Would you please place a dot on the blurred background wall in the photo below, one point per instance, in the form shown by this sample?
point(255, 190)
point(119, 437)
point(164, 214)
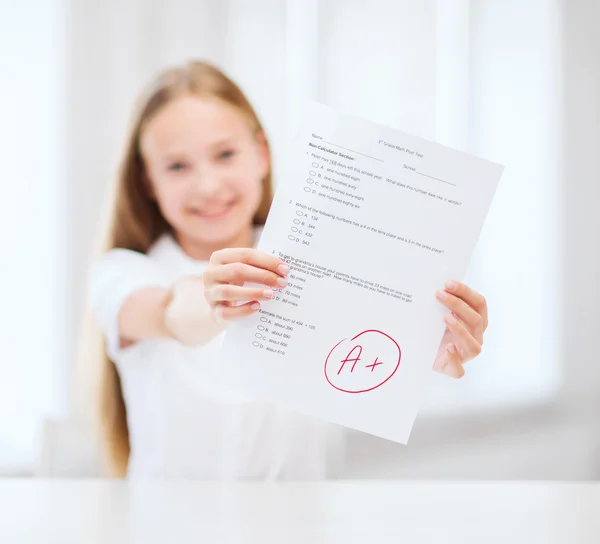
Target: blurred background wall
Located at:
point(515, 82)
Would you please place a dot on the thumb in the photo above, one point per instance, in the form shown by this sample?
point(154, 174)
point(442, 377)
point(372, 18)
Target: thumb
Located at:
point(449, 363)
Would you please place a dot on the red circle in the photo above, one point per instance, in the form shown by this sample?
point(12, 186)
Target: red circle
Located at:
point(351, 340)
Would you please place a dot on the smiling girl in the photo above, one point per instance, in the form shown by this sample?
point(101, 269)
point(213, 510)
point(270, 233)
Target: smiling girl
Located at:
point(193, 193)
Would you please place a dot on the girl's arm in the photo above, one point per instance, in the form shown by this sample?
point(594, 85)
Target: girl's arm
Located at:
point(142, 315)
point(180, 313)
point(133, 300)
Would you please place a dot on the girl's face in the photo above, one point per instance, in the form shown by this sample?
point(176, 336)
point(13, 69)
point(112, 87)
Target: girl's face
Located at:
point(205, 168)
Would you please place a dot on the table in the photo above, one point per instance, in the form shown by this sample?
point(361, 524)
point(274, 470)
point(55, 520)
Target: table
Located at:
point(96, 511)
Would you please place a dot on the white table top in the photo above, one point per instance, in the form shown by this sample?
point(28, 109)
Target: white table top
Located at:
point(345, 512)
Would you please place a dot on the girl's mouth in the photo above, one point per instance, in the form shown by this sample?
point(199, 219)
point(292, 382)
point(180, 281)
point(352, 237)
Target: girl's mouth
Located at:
point(213, 214)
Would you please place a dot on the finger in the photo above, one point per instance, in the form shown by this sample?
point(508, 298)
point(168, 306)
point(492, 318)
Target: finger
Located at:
point(252, 257)
point(472, 319)
point(234, 293)
point(450, 364)
point(224, 312)
point(468, 347)
point(472, 298)
point(240, 273)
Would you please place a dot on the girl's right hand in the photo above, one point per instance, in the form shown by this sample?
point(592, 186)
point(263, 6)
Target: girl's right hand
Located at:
point(230, 269)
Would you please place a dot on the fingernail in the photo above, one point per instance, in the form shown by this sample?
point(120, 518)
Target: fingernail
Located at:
point(219, 312)
point(451, 348)
point(255, 306)
point(450, 319)
point(268, 293)
point(283, 269)
point(442, 295)
point(282, 282)
point(451, 285)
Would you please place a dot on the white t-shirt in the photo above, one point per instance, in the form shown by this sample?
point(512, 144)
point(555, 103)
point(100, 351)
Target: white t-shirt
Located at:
point(183, 420)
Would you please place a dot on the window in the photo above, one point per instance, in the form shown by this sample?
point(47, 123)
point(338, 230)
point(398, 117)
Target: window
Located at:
point(32, 368)
point(510, 55)
point(481, 77)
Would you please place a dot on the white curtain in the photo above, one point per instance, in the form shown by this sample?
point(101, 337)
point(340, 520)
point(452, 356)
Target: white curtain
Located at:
point(514, 117)
point(474, 75)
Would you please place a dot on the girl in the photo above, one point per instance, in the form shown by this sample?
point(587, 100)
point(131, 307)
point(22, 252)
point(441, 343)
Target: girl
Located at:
point(191, 197)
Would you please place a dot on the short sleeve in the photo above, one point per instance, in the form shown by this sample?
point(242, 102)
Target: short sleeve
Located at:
point(113, 278)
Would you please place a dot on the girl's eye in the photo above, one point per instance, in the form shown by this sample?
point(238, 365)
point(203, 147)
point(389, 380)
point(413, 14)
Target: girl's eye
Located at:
point(224, 155)
point(177, 166)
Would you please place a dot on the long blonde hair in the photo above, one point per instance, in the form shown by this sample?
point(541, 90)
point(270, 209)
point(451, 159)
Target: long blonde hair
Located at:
point(135, 222)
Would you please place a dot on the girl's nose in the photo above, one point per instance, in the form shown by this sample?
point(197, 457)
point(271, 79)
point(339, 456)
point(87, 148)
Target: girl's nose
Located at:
point(207, 182)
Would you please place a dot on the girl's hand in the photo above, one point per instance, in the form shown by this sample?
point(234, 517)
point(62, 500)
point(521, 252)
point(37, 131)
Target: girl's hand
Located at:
point(465, 324)
point(230, 269)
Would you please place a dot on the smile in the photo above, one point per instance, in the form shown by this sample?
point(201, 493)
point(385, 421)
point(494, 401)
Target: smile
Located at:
point(212, 215)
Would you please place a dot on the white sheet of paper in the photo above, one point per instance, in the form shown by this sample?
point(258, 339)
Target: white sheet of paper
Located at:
point(372, 222)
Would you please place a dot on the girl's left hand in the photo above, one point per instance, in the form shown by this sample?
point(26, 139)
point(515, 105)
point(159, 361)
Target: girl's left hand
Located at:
point(465, 325)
